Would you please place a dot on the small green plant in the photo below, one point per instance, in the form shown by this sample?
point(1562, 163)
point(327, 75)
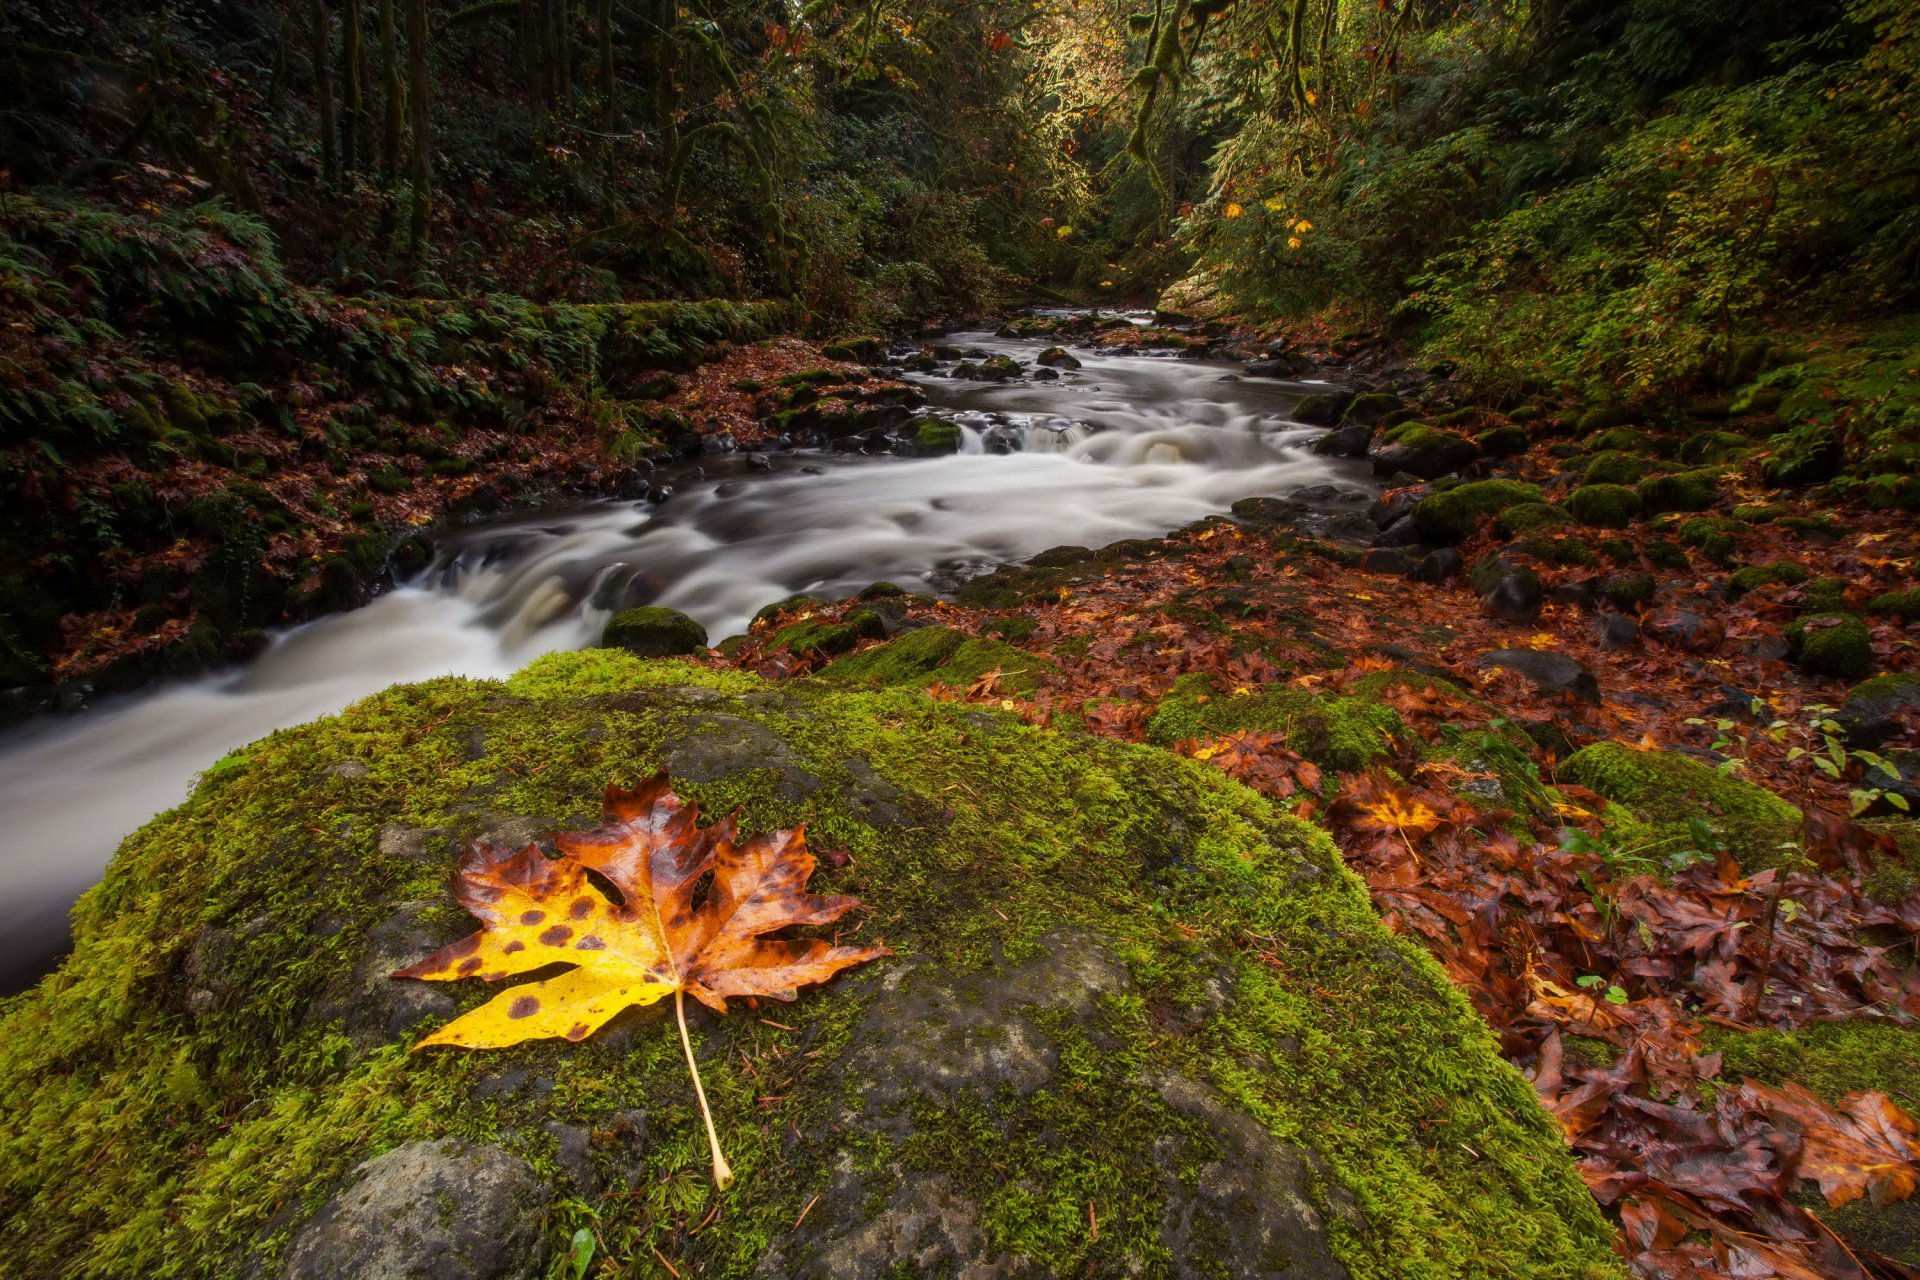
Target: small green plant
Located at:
point(1734, 741)
point(1823, 744)
point(1661, 858)
point(1593, 983)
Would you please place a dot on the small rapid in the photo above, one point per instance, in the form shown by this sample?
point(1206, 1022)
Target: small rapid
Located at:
point(1128, 445)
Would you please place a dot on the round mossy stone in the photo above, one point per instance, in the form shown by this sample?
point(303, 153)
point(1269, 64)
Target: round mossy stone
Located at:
point(1832, 644)
point(1604, 506)
point(1039, 1040)
point(1681, 491)
point(1452, 515)
point(653, 632)
point(1530, 517)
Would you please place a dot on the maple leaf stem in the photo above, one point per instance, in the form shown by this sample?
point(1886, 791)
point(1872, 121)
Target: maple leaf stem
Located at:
point(722, 1171)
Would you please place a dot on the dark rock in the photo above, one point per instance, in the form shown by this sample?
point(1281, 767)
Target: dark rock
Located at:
point(1428, 455)
point(933, 1034)
point(1549, 672)
point(1246, 1213)
point(1388, 511)
point(1681, 629)
point(1441, 566)
point(1515, 599)
point(371, 1007)
point(1616, 631)
point(445, 1210)
point(1345, 442)
point(1386, 560)
point(1401, 533)
point(1058, 358)
point(1266, 512)
point(1322, 410)
point(1872, 712)
point(717, 746)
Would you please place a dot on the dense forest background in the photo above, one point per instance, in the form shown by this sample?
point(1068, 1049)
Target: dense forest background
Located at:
point(275, 268)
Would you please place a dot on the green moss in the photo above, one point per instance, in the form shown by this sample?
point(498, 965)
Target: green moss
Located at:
point(1832, 644)
point(178, 1107)
point(1665, 790)
point(1453, 515)
point(927, 654)
point(1759, 512)
point(1832, 1059)
point(653, 632)
point(1681, 491)
point(1530, 517)
point(1824, 594)
point(1502, 442)
point(1012, 630)
point(1604, 506)
point(816, 638)
point(1624, 440)
point(935, 435)
point(1779, 572)
point(1612, 467)
point(1903, 605)
point(1338, 733)
point(1629, 590)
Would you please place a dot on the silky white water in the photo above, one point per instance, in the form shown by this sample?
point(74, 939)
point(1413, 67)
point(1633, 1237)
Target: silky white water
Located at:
point(1128, 446)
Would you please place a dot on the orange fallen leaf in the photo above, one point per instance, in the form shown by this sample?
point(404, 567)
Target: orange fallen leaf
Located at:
point(660, 939)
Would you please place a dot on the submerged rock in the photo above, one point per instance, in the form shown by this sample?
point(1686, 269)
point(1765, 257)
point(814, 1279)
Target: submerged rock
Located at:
point(1041, 1053)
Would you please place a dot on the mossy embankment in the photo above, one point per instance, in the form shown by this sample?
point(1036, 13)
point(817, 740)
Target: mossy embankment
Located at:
point(195, 447)
point(1147, 971)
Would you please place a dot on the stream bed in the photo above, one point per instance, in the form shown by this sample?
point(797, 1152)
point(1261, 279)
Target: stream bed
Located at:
point(1129, 445)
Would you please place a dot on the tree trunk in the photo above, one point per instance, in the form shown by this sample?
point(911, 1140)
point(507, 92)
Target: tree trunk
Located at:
point(395, 99)
point(606, 66)
point(417, 97)
point(323, 87)
point(533, 59)
point(353, 137)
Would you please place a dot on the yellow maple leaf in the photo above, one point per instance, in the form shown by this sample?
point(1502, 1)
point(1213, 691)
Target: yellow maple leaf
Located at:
point(657, 941)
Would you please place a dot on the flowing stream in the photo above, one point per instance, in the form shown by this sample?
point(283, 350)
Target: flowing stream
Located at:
point(1127, 446)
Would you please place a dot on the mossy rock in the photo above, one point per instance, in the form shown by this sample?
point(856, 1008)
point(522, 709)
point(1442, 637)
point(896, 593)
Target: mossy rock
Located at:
point(858, 349)
point(1615, 467)
point(1832, 644)
point(1623, 440)
point(1711, 536)
point(927, 654)
point(1805, 455)
point(193, 1087)
point(1824, 594)
point(1453, 515)
point(1604, 506)
point(1503, 441)
point(934, 436)
point(816, 638)
point(1629, 590)
point(1530, 517)
point(653, 632)
point(1681, 491)
point(1604, 417)
point(1337, 733)
point(792, 604)
point(1904, 605)
point(1714, 447)
point(1779, 572)
point(1665, 790)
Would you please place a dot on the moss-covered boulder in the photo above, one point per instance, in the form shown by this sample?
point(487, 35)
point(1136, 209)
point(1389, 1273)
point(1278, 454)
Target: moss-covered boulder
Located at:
point(653, 632)
point(1775, 573)
point(1530, 517)
point(932, 436)
point(1452, 516)
point(1681, 491)
point(1338, 733)
point(927, 654)
point(819, 638)
point(1831, 644)
point(1665, 791)
point(1611, 466)
point(219, 1073)
point(1904, 605)
point(1604, 506)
